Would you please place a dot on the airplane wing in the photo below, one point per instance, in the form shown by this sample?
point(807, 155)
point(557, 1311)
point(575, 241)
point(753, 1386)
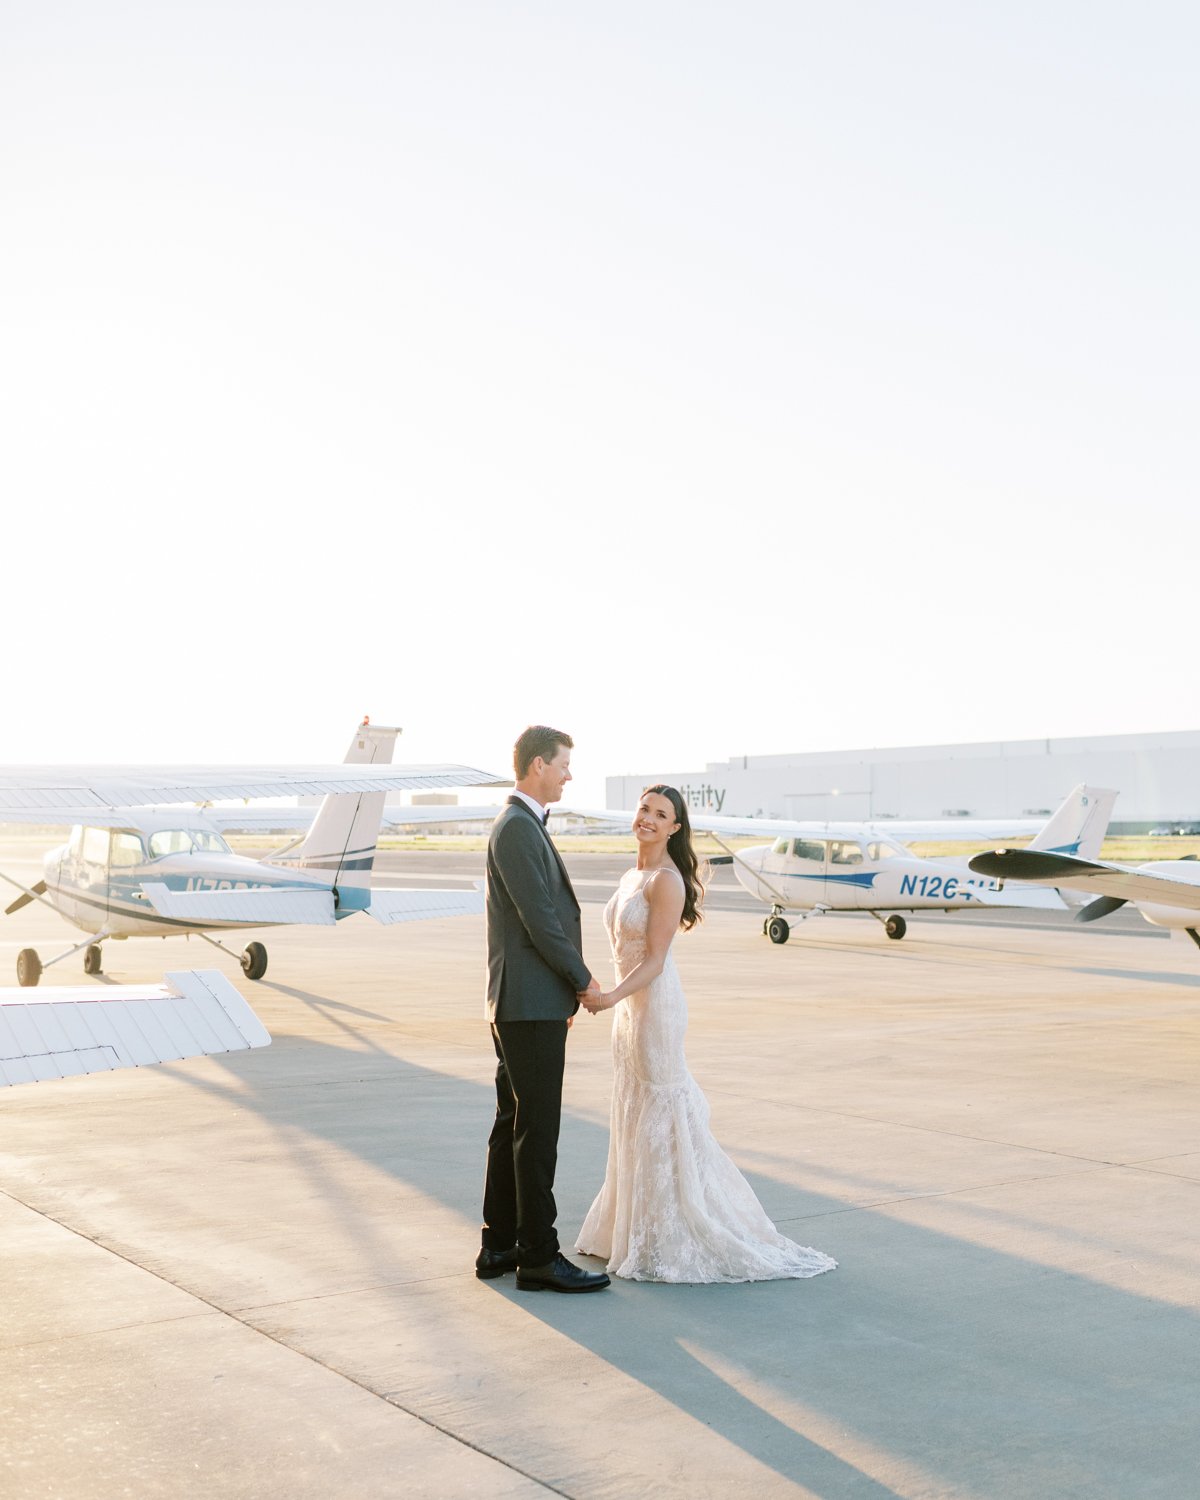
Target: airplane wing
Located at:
point(59, 1033)
point(264, 907)
point(966, 830)
point(258, 819)
point(299, 819)
point(389, 907)
point(413, 817)
point(58, 787)
point(1120, 881)
point(64, 817)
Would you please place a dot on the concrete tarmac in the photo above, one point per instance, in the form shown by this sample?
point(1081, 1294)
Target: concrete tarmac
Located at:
point(251, 1276)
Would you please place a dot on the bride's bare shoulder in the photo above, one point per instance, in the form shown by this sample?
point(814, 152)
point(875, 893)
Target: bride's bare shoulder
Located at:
point(665, 884)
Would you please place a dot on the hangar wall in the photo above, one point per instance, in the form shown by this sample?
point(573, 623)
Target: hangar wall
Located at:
point(1157, 776)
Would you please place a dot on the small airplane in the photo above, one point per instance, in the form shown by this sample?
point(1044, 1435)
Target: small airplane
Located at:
point(815, 868)
point(1165, 891)
point(63, 1032)
point(167, 871)
point(848, 869)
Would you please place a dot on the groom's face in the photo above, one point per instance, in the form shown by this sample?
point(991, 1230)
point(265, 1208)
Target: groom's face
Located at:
point(555, 775)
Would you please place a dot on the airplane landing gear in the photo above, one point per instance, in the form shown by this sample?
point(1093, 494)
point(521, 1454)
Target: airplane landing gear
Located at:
point(254, 961)
point(91, 959)
point(29, 968)
point(778, 930)
point(253, 958)
point(895, 927)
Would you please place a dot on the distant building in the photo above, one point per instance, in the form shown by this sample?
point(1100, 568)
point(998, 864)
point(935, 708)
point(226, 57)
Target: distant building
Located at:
point(1157, 776)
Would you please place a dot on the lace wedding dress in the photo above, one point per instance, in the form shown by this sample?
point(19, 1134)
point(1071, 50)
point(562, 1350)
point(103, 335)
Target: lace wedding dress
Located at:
point(673, 1206)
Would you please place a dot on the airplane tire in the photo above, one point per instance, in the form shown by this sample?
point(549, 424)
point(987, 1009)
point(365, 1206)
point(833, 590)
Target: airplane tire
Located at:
point(254, 961)
point(778, 930)
point(29, 968)
point(765, 922)
point(91, 959)
point(895, 927)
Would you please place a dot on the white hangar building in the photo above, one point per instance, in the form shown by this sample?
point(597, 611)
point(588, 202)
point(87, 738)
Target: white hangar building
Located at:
point(1157, 776)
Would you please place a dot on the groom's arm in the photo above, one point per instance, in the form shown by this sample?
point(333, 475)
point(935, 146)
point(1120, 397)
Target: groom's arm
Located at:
point(517, 853)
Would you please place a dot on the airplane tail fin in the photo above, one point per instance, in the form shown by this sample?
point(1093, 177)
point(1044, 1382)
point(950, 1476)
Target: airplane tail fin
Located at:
point(342, 840)
point(1079, 825)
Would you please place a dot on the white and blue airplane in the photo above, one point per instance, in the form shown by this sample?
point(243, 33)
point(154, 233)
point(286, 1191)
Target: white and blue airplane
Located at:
point(135, 871)
point(844, 868)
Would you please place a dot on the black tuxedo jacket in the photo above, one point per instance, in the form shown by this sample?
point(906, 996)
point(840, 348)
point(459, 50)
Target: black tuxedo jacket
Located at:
point(534, 938)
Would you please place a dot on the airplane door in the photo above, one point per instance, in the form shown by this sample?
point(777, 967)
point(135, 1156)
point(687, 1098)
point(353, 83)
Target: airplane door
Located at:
point(806, 872)
point(89, 877)
point(847, 880)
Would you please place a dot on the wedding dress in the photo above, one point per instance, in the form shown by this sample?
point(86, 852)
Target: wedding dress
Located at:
point(673, 1206)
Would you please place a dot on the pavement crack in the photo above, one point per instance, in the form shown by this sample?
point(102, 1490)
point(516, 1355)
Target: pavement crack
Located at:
point(281, 1343)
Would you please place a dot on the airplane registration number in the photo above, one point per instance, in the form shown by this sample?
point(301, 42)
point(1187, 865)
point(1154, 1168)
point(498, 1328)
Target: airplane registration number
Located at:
point(199, 883)
point(947, 887)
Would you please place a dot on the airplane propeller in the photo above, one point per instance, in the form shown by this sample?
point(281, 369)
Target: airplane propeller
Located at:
point(26, 897)
point(1102, 906)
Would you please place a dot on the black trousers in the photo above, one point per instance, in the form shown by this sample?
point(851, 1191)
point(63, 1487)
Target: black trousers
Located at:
point(518, 1191)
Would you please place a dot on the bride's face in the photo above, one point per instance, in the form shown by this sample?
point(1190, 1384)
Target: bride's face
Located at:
point(654, 822)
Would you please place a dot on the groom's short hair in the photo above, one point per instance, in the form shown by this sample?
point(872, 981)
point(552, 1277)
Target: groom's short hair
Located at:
point(537, 740)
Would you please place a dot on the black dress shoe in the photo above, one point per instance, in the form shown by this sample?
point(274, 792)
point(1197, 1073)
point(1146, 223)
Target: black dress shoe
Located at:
point(492, 1263)
point(560, 1276)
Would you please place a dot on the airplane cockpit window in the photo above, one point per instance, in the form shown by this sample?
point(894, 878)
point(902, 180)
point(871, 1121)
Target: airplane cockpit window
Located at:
point(780, 846)
point(884, 851)
point(170, 841)
point(126, 848)
point(210, 843)
point(185, 841)
point(842, 853)
point(808, 849)
point(75, 842)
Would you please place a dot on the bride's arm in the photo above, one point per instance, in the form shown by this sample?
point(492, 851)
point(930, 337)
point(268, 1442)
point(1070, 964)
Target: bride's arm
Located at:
point(665, 899)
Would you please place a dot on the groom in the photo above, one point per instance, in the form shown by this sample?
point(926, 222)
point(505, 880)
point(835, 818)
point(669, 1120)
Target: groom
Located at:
point(535, 975)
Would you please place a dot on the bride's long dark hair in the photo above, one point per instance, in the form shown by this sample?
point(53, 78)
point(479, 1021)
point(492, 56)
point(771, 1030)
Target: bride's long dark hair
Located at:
point(679, 847)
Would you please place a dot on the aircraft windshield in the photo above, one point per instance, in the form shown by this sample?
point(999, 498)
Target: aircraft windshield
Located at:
point(186, 841)
point(886, 851)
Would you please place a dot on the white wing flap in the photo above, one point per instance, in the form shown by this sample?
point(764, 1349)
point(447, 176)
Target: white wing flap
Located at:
point(57, 1033)
point(389, 907)
point(77, 787)
point(254, 908)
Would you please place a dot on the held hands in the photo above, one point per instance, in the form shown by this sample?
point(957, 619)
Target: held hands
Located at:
point(592, 999)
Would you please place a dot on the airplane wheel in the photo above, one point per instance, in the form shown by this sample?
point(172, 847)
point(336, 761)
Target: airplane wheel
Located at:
point(91, 959)
point(895, 927)
point(765, 921)
point(254, 961)
point(778, 930)
point(29, 967)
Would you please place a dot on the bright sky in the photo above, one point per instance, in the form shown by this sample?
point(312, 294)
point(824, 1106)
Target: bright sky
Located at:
point(701, 379)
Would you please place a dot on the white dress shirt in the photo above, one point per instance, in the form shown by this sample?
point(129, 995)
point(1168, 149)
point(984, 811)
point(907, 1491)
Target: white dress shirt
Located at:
point(535, 807)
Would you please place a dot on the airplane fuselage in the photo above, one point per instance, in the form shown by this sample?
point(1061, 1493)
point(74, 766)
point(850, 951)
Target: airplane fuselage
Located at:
point(95, 893)
point(871, 875)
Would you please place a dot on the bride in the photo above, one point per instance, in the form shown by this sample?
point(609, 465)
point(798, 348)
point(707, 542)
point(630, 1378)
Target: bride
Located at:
point(673, 1206)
